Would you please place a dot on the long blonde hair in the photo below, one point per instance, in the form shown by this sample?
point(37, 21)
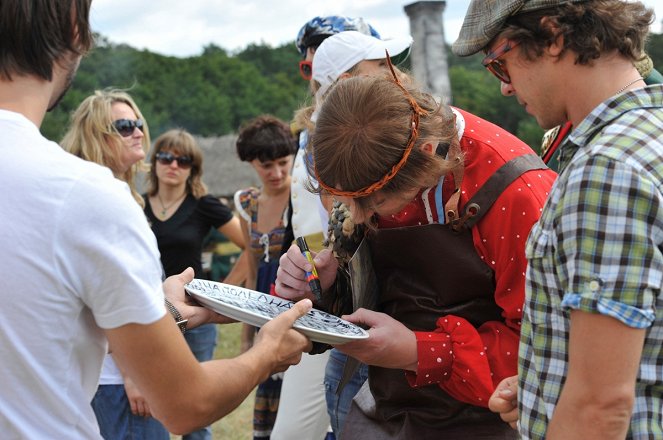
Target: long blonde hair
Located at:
point(91, 136)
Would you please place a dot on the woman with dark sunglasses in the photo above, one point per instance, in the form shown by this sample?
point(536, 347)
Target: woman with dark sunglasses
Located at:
point(181, 214)
point(108, 128)
point(447, 200)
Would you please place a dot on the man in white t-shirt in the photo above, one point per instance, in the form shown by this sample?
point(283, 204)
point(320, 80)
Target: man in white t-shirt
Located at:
point(80, 267)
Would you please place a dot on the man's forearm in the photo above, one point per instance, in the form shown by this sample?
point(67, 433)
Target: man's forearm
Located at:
point(582, 419)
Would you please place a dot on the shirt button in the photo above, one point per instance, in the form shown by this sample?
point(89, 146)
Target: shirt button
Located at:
point(294, 196)
point(594, 285)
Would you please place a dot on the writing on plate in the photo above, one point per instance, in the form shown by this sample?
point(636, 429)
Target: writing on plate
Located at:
point(270, 306)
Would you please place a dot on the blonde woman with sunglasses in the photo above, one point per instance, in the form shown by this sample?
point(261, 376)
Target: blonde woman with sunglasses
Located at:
point(447, 200)
point(108, 128)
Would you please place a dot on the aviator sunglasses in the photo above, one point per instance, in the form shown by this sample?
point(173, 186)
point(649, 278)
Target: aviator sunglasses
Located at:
point(165, 158)
point(497, 66)
point(306, 69)
point(126, 127)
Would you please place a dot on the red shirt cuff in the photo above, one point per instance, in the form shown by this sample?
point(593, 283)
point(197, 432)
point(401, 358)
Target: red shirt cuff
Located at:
point(434, 359)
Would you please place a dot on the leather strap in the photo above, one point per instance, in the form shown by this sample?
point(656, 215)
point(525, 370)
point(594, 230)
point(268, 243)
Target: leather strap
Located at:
point(483, 200)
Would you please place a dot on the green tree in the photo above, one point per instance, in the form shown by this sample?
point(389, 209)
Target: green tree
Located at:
point(215, 92)
point(655, 50)
point(209, 94)
point(478, 92)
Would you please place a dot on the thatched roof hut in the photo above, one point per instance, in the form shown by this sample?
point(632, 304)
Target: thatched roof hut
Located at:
point(223, 172)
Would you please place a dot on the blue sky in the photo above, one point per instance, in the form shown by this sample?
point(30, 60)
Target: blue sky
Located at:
point(183, 27)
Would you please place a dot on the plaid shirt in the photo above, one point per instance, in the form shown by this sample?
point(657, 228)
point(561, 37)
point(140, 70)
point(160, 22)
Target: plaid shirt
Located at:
point(598, 248)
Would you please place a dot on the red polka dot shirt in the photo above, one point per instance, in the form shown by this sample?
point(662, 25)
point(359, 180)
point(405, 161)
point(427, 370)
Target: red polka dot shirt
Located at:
point(465, 361)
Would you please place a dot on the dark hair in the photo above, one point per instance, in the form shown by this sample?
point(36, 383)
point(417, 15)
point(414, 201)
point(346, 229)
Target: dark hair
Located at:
point(38, 33)
point(265, 138)
point(589, 29)
point(363, 129)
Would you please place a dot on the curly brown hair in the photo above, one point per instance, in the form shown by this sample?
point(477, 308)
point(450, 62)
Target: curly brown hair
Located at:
point(589, 29)
point(265, 138)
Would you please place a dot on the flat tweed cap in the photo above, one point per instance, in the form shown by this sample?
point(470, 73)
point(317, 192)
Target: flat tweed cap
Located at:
point(485, 19)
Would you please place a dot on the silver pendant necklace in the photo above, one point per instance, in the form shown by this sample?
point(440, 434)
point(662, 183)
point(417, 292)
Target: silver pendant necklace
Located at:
point(164, 208)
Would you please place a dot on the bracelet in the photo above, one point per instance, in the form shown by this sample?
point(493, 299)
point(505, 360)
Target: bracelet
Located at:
point(181, 322)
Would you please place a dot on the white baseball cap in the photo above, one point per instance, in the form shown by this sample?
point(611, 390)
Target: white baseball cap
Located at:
point(340, 52)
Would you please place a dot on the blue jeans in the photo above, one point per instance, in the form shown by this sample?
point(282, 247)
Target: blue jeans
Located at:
point(338, 406)
point(202, 341)
point(116, 422)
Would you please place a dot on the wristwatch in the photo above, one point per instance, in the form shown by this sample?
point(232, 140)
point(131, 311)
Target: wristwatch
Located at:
point(181, 322)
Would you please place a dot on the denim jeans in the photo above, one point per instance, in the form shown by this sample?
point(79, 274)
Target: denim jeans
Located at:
point(338, 406)
point(202, 341)
point(116, 422)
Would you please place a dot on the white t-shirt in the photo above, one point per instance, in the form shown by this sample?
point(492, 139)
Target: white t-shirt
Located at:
point(309, 215)
point(110, 374)
point(76, 256)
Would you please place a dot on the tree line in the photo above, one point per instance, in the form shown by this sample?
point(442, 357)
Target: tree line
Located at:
point(213, 93)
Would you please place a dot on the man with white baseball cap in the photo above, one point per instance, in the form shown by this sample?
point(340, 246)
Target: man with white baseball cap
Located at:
point(352, 52)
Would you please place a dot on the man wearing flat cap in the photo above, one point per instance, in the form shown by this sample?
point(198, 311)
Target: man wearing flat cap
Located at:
point(591, 345)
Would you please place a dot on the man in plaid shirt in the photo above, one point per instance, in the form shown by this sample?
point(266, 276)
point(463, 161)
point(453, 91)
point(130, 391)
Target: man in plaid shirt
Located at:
point(591, 351)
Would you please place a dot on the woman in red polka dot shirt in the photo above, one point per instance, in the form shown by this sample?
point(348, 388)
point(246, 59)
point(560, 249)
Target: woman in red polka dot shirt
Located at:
point(449, 200)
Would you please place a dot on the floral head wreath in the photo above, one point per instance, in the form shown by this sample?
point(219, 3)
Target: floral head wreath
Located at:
point(417, 112)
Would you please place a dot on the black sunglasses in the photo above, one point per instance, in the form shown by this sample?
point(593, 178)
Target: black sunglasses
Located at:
point(165, 158)
point(126, 127)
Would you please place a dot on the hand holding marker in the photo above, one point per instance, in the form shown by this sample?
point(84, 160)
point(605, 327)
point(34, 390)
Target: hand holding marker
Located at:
point(312, 276)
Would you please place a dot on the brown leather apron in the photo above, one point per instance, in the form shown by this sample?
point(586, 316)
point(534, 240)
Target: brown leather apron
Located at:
point(424, 273)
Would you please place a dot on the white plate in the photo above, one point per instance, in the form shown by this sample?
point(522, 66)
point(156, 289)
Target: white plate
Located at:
point(256, 308)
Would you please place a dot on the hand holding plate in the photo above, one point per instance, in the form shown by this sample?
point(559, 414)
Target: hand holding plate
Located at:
point(390, 344)
point(173, 289)
point(280, 341)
